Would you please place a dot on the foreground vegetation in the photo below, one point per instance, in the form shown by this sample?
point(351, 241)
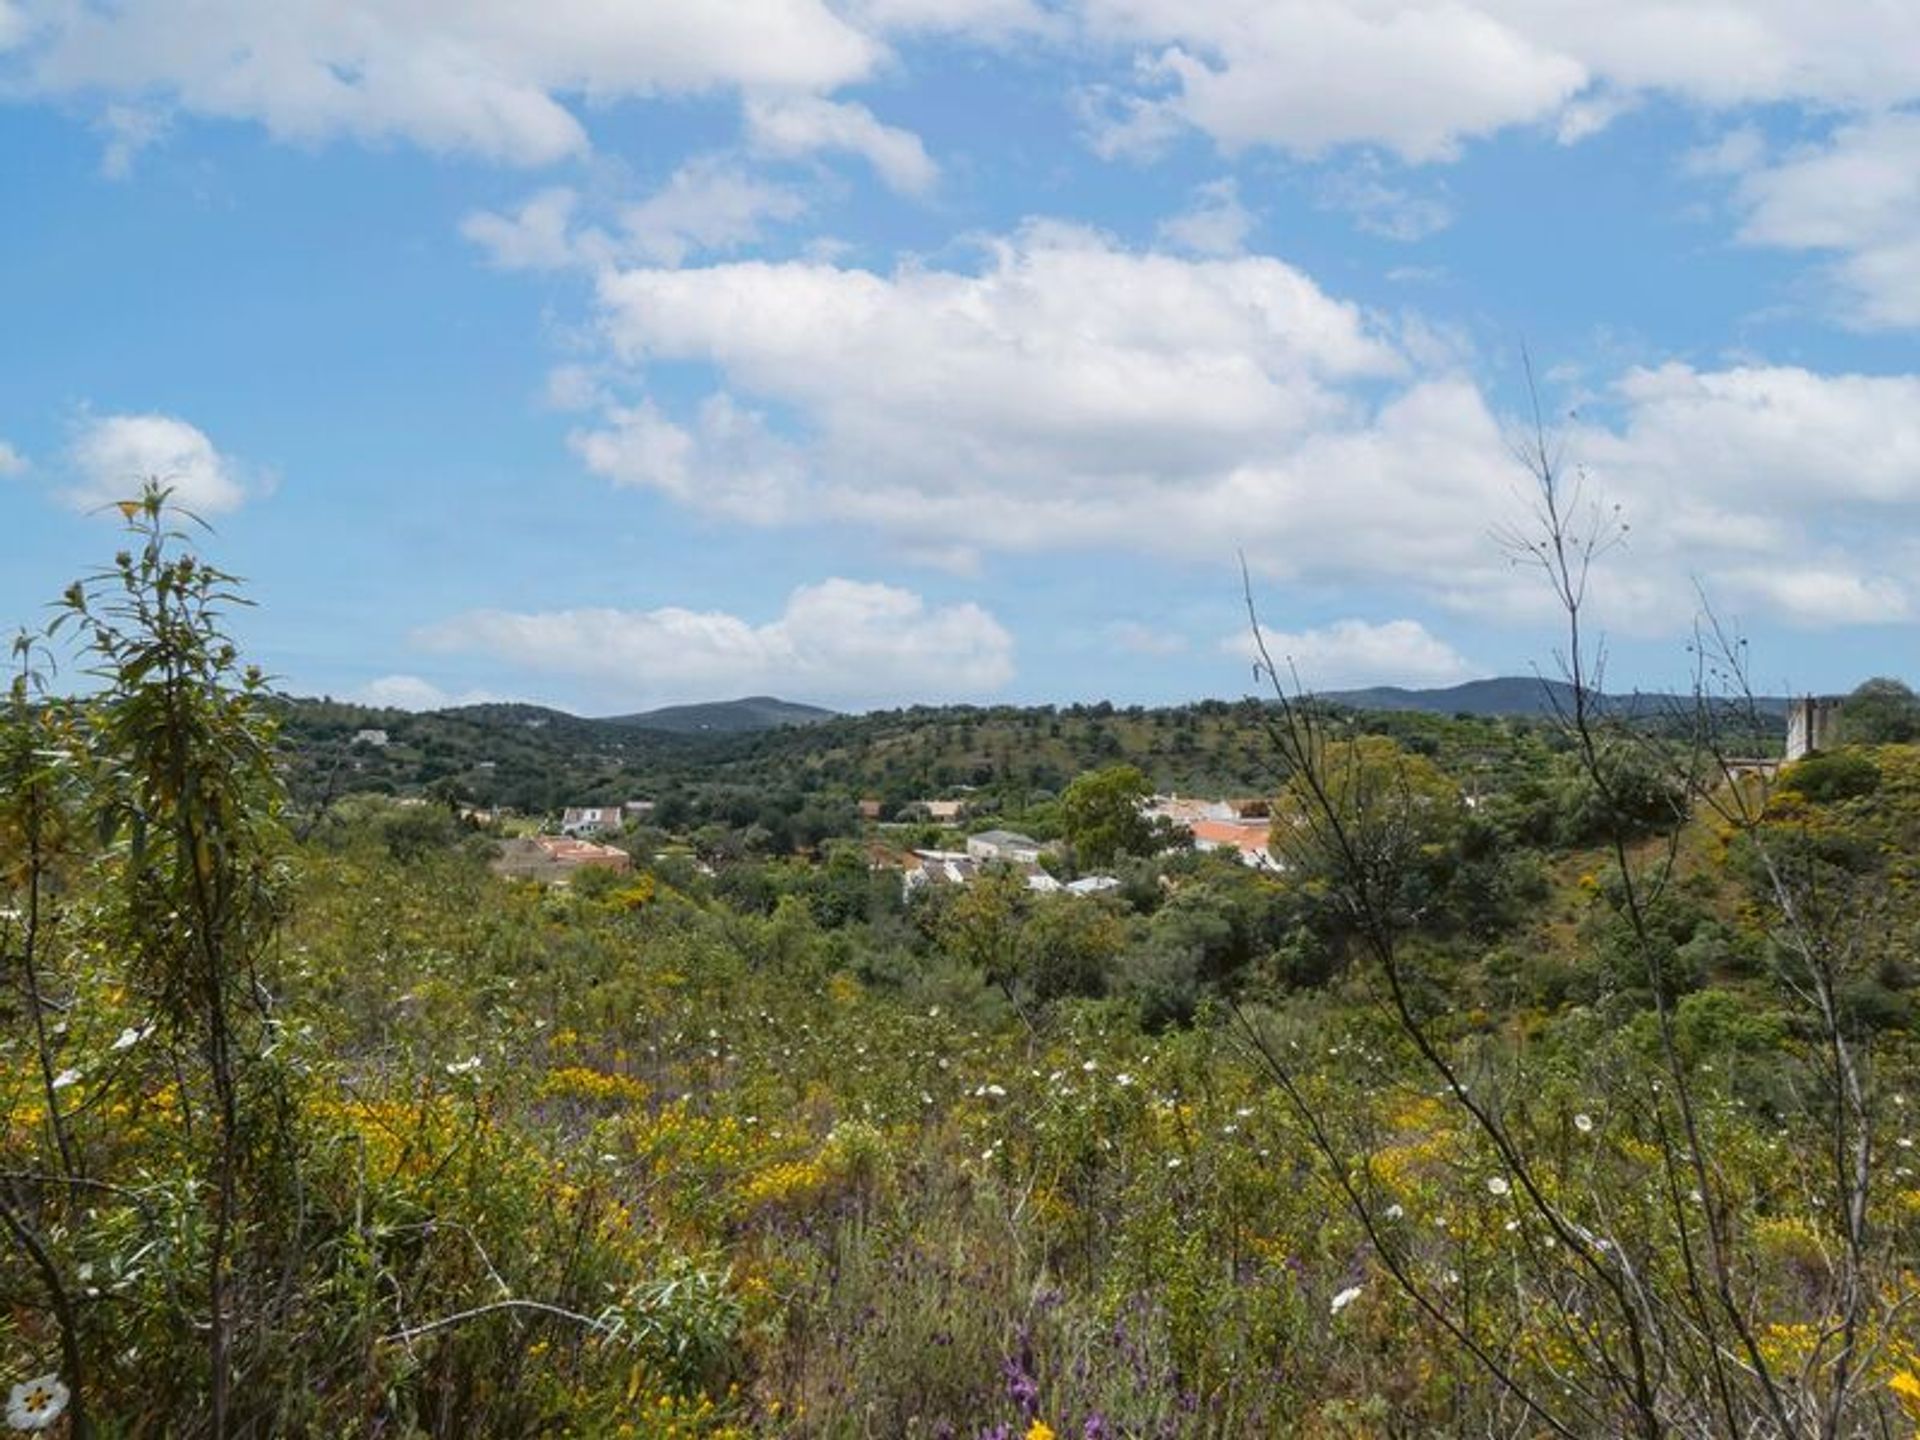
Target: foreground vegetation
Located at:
point(1585, 1108)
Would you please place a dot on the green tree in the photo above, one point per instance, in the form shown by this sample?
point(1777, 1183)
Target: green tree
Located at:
point(1100, 815)
point(1881, 711)
point(186, 780)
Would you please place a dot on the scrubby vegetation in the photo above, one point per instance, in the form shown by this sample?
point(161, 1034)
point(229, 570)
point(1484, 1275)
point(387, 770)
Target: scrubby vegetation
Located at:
point(1560, 1085)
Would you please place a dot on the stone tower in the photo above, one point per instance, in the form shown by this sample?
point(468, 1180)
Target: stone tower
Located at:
point(1813, 724)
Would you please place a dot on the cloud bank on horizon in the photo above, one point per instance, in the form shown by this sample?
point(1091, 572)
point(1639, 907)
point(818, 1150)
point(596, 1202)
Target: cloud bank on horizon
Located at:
point(886, 350)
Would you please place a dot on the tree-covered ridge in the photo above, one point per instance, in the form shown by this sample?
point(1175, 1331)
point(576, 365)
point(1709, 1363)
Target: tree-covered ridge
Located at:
point(537, 760)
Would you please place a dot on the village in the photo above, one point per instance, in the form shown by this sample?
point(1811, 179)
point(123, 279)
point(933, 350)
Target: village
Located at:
point(585, 836)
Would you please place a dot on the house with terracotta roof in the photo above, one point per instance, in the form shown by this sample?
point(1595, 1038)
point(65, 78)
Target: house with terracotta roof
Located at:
point(555, 859)
point(1246, 838)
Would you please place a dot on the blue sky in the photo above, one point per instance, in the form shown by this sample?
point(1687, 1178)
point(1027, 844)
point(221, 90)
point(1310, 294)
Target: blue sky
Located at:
point(876, 351)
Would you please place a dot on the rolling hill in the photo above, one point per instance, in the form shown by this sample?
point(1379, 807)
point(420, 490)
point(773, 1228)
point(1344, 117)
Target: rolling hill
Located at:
point(726, 717)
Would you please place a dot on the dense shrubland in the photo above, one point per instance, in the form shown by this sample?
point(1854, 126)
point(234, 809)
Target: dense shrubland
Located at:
point(1535, 1097)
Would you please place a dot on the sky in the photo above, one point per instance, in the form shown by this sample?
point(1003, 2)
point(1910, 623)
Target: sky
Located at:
point(618, 353)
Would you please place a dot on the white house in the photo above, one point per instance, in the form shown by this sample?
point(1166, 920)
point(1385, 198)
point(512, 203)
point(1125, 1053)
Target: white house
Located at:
point(375, 738)
point(590, 820)
point(1004, 845)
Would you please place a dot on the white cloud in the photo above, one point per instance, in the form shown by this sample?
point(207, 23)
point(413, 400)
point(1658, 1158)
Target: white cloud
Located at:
point(113, 455)
point(709, 204)
point(12, 462)
point(411, 692)
point(537, 236)
point(1734, 152)
point(1064, 356)
point(840, 640)
point(795, 126)
point(129, 130)
point(1418, 78)
point(728, 463)
point(1782, 439)
point(1817, 597)
point(1380, 208)
point(1857, 196)
point(1348, 654)
point(1777, 488)
point(1217, 223)
point(1308, 76)
point(485, 77)
point(988, 20)
point(1070, 394)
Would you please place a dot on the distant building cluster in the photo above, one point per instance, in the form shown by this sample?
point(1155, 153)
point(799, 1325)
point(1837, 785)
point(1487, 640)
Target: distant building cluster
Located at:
point(1242, 826)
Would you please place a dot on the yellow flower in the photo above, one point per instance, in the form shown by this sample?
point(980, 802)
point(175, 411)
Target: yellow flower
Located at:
point(1906, 1385)
point(1039, 1430)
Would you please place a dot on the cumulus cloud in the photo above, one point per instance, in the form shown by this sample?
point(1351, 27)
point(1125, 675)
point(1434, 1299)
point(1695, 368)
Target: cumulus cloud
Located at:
point(1068, 393)
point(794, 126)
point(113, 455)
point(1778, 438)
point(1071, 394)
point(504, 80)
point(1419, 79)
point(840, 640)
point(12, 462)
point(1063, 356)
point(1348, 654)
point(1855, 197)
point(491, 78)
point(1819, 597)
point(411, 692)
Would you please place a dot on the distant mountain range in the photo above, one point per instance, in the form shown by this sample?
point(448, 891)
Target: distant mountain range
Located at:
point(725, 717)
point(1516, 695)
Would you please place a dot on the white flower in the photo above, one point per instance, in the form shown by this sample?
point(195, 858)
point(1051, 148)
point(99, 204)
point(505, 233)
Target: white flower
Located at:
point(1345, 1298)
point(131, 1037)
point(1123, 1078)
point(1090, 1066)
point(1173, 1163)
point(66, 1078)
point(464, 1067)
point(1497, 1185)
point(1396, 1212)
point(1583, 1123)
point(35, 1404)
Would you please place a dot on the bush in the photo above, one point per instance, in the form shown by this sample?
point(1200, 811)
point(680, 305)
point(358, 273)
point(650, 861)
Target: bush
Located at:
point(1832, 775)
